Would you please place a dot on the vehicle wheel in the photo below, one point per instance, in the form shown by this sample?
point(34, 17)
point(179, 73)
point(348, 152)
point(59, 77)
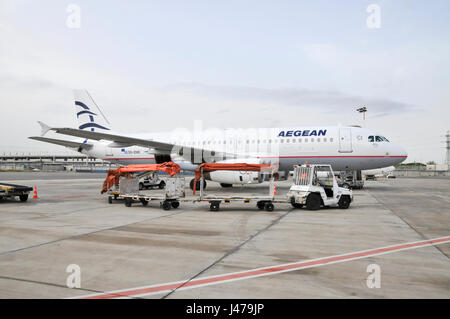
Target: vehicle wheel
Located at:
point(23, 198)
point(313, 201)
point(269, 207)
point(128, 201)
point(346, 185)
point(260, 205)
point(110, 199)
point(226, 185)
point(214, 207)
point(162, 185)
point(116, 196)
point(175, 204)
point(344, 202)
point(294, 204)
point(166, 205)
point(141, 186)
point(144, 202)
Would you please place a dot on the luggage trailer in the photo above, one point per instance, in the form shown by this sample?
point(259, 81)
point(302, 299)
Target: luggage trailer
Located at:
point(215, 200)
point(123, 183)
point(11, 190)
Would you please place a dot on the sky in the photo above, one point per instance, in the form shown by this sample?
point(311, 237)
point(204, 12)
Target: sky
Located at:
point(161, 65)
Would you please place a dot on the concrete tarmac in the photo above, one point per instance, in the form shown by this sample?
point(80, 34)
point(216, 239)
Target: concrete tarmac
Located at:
point(117, 247)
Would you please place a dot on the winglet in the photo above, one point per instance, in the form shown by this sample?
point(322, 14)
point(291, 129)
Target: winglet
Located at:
point(44, 128)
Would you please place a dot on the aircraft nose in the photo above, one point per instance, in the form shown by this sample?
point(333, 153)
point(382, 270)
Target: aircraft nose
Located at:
point(401, 153)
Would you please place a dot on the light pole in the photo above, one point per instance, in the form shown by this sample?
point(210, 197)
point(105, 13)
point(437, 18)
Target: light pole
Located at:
point(363, 110)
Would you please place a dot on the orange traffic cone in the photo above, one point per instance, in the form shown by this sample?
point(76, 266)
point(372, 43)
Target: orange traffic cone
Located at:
point(274, 189)
point(35, 196)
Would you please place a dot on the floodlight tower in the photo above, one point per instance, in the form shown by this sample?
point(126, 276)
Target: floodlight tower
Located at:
point(363, 110)
point(447, 146)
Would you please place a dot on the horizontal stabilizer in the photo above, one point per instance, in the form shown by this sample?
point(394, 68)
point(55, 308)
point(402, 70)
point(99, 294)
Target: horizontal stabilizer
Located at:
point(61, 142)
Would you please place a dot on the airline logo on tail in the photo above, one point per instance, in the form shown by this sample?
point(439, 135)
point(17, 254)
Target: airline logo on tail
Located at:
point(87, 118)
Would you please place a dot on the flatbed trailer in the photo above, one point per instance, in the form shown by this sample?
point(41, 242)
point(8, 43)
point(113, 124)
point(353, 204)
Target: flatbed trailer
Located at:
point(215, 200)
point(12, 190)
point(261, 201)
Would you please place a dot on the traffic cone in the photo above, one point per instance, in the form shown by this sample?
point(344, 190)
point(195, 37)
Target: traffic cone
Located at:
point(274, 189)
point(35, 196)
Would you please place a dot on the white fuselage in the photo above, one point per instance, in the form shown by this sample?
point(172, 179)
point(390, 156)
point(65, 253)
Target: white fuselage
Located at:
point(344, 148)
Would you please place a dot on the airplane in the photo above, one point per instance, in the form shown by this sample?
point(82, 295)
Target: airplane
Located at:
point(343, 147)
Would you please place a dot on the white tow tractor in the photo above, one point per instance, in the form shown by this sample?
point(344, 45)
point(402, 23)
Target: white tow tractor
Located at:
point(150, 180)
point(315, 186)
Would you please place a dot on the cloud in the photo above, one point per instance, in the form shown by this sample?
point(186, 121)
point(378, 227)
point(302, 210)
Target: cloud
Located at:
point(300, 98)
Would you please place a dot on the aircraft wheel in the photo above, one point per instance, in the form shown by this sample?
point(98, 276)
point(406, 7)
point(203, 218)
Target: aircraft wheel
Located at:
point(313, 201)
point(23, 198)
point(128, 201)
point(197, 185)
point(175, 204)
point(110, 199)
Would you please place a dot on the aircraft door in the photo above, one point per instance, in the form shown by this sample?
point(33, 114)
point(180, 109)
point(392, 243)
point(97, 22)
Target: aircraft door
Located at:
point(345, 140)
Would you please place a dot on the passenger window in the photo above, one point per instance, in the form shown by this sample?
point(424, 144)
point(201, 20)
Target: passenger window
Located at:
point(287, 140)
point(378, 139)
point(371, 140)
point(331, 139)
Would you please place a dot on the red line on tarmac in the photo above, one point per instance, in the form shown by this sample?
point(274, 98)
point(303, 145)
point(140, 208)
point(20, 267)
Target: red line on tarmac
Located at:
point(337, 156)
point(264, 271)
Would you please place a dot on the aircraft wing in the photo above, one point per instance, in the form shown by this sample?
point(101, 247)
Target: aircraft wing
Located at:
point(118, 139)
point(61, 142)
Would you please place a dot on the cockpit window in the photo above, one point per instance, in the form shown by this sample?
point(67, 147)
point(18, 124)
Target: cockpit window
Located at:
point(372, 139)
